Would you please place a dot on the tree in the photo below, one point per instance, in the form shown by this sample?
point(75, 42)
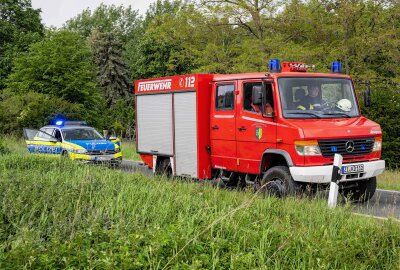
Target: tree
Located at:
point(36, 110)
point(60, 65)
point(112, 72)
point(19, 26)
point(117, 19)
point(251, 15)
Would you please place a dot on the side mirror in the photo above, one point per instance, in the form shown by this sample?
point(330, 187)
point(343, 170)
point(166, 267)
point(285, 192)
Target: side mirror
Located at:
point(367, 97)
point(257, 95)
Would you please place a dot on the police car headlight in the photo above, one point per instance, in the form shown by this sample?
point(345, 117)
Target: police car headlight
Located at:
point(307, 148)
point(79, 151)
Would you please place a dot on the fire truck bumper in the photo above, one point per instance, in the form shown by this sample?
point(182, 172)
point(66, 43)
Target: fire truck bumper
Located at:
point(323, 174)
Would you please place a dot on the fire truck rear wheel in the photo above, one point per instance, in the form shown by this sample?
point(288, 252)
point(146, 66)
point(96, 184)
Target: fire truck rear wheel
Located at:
point(363, 192)
point(278, 181)
point(164, 168)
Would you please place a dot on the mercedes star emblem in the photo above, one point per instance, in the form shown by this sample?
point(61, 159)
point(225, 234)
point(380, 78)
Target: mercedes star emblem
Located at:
point(350, 146)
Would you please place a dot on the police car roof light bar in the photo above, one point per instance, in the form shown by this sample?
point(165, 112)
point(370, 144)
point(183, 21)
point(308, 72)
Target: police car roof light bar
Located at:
point(75, 123)
point(336, 67)
point(274, 65)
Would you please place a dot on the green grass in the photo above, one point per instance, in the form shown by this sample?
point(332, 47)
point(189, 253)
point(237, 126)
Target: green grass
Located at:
point(129, 150)
point(389, 180)
point(59, 214)
point(13, 144)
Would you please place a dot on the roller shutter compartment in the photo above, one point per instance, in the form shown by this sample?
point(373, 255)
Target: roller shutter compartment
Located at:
point(154, 124)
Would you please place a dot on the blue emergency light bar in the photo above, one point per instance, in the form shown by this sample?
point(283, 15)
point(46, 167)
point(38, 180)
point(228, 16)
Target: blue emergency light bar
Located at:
point(75, 123)
point(336, 67)
point(60, 122)
point(274, 65)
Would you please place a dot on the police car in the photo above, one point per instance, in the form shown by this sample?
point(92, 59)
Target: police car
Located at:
point(75, 140)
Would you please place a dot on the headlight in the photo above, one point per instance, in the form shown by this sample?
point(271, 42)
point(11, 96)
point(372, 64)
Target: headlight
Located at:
point(307, 148)
point(79, 151)
point(377, 144)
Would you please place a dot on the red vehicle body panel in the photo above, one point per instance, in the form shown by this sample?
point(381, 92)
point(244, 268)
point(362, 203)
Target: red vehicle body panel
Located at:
point(231, 134)
point(200, 83)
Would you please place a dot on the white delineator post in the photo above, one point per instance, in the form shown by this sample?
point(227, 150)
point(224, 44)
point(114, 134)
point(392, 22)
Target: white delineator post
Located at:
point(334, 187)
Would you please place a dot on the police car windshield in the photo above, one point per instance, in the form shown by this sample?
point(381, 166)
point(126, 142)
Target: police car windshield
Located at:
point(81, 134)
point(317, 97)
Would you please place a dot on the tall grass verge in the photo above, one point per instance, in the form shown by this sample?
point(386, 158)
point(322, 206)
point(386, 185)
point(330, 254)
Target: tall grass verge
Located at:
point(14, 144)
point(389, 180)
point(59, 214)
point(129, 150)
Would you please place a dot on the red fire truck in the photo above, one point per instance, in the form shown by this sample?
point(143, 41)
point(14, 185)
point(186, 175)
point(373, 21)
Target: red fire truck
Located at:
point(278, 130)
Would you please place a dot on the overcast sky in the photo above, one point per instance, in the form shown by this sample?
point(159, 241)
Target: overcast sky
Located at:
point(57, 12)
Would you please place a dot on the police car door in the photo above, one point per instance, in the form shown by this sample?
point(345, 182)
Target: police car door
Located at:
point(40, 142)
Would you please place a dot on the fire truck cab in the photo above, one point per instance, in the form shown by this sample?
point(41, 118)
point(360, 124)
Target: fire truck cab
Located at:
point(276, 130)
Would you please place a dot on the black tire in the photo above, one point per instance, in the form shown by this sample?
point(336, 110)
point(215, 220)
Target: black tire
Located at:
point(65, 154)
point(278, 181)
point(218, 183)
point(164, 168)
point(363, 192)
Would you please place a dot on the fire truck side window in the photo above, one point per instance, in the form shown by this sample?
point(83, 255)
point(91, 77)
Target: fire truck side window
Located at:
point(247, 95)
point(225, 97)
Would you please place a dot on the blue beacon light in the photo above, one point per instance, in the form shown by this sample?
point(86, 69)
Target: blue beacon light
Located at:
point(336, 67)
point(59, 123)
point(274, 65)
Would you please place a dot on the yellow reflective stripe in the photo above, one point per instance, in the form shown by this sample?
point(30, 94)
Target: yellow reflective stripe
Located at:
point(311, 107)
point(68, 145)
point(78, 156)
point(44, 143)
point(87, 157)
point(301, 107)
point(116, 140)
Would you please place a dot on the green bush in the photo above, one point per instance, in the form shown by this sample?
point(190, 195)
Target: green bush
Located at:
point(385, 110)
point(34, 110)
point(4, 150)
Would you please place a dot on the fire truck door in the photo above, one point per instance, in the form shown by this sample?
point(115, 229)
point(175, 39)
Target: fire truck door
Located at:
point(254, 132)
point(223, 126)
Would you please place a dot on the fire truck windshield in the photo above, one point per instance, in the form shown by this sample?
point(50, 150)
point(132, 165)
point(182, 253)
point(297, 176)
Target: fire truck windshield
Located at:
point(317, 97)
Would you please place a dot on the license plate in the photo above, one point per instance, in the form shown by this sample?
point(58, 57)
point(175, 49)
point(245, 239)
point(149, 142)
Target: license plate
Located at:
point(102, 158)
point(353, 169)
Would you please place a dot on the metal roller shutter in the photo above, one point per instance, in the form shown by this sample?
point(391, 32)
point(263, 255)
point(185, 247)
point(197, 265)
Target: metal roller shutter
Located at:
point(154, 123)
point(185, 134)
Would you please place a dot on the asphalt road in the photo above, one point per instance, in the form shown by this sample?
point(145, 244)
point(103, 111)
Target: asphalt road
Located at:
point(384, 204)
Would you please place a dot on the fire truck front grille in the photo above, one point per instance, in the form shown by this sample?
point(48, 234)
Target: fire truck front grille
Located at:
point(102, 152)
point(346, 147)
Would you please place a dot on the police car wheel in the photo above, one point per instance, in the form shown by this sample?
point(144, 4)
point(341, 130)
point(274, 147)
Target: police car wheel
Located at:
point(277, 181)
point(64, 154)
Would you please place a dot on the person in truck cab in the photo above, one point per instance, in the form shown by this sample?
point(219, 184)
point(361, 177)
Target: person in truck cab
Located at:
point(249, 106)
point(312, 100)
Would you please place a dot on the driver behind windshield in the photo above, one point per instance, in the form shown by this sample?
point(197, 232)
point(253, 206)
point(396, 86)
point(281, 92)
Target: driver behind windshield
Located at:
point(312, 100)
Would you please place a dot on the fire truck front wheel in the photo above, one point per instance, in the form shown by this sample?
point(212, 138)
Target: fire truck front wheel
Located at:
point(362, 192)
point(278, 181)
